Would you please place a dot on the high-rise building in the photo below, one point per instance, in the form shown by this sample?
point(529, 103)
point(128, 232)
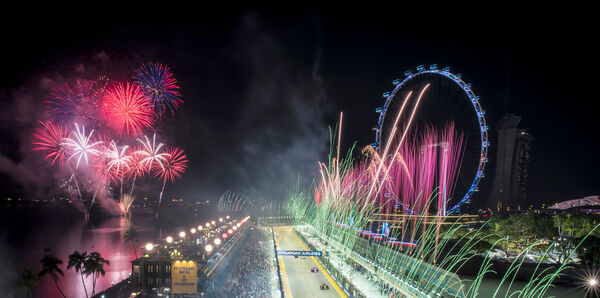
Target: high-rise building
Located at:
point(510, 179)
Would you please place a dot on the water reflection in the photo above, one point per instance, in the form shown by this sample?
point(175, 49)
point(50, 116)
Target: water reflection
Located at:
point(106, 237)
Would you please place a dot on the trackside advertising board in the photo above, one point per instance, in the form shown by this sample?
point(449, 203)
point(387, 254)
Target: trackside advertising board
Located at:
point(302, 253)
point(183, 277)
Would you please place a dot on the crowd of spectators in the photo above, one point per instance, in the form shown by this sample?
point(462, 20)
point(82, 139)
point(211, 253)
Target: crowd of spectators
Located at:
point(250, 275)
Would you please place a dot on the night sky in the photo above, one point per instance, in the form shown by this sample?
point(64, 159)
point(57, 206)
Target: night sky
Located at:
point(262, 86)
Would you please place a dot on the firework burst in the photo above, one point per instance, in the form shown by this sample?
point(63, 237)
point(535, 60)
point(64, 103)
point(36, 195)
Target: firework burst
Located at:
point(81, 145)
point(174, 165)
point(50, 138)
point(114, 148)
point(126, 109)
point(151, 153)
point(125, 203)
point(74, 103)
point(118, 160)
point(136, 167)
point(158, 83)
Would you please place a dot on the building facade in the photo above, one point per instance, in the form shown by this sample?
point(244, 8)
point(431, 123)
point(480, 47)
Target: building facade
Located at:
point(509, 187)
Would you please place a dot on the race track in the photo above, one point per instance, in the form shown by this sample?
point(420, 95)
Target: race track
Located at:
point(296, 271)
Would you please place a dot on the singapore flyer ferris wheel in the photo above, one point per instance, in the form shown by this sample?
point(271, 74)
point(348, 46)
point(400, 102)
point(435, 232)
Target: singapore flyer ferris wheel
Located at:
point(436, 123)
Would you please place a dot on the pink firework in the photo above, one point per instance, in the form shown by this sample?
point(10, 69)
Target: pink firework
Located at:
point(104, 170)
point(136, 167)
point(126, 109)
point(81, 146)
point(151, 153)
point(50, 138)
point(174, 165)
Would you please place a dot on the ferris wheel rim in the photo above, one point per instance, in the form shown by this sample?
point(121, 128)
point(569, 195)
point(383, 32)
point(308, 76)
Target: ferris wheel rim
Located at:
point(479, 113)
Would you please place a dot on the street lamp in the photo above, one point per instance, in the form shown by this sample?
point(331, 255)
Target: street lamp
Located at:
point(227, 216)
point(182, 234)
point(169, 239)
point(208, 224)
point(212, 222)
point(208, 248)
point(221, 219)
point(217, 241)
point(200, 228)
point(193, 230)
point(149, 246)
point(234, 228)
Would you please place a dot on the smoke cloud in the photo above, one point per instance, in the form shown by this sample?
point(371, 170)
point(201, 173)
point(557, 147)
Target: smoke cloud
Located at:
point(279, 133)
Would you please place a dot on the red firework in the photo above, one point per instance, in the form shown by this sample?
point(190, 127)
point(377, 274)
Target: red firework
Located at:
point(136, 168)
point(126, 109)
point(104, 170)
point(174, 165)
point(50, 138)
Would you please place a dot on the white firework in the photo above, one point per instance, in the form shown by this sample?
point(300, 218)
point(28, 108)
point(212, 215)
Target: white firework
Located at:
point(118, 159)
point(152, 153)
point(81, 145)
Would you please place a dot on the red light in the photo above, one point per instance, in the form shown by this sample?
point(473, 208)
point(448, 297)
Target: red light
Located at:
point(224, 235)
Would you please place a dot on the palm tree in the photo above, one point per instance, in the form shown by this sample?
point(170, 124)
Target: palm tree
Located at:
point(77, 261)
point(50, 263)
point(131, 236)
point(27, 282)
point(94, 265)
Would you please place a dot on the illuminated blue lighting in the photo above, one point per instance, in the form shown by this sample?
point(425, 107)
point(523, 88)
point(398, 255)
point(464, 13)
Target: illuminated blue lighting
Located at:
point(483, 127)
point(396, 82)
point(386, 94)
point(378, 110)
point(402, 243)
point(433, 66)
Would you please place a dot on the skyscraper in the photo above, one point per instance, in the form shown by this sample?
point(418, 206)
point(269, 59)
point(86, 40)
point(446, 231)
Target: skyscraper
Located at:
point(510, 178)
